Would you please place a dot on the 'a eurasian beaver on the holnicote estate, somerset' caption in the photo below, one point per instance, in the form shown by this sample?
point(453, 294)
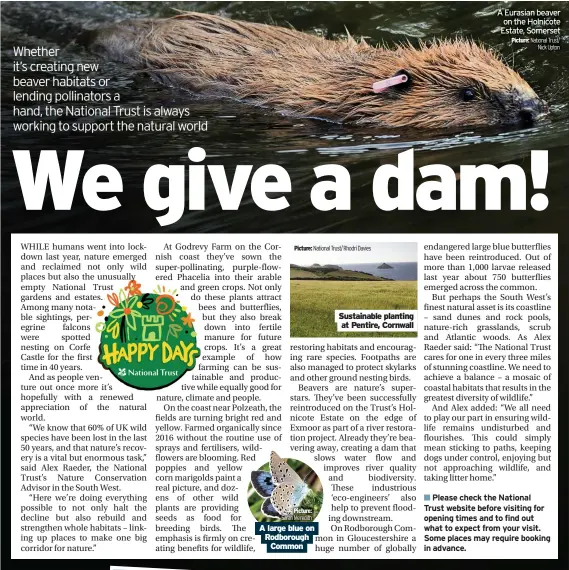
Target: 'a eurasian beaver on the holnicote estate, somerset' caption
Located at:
point(446, 84)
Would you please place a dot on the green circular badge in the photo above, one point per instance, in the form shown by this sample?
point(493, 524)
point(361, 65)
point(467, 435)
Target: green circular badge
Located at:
point(147, 339)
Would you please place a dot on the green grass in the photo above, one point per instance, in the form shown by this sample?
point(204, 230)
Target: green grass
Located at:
point(302, 273)
point(312, 304)
point(329, 273)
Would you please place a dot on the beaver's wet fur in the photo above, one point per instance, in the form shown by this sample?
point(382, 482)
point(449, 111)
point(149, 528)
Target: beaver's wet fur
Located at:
point(452, 83)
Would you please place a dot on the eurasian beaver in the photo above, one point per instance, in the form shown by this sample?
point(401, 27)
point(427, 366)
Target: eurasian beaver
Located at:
point(445, 84)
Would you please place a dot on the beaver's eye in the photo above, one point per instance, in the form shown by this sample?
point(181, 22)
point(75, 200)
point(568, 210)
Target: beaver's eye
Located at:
point(468, 94)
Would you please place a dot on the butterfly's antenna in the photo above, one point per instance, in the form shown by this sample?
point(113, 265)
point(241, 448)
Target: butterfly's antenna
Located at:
point(308, 475)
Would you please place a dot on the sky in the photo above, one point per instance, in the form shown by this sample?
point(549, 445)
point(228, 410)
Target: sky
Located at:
point(381, 252)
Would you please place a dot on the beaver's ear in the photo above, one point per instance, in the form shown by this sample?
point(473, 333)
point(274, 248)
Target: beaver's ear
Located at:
point(400, 81)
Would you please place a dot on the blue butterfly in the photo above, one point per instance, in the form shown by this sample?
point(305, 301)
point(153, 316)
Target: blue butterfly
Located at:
point(263, 483)
point(282, 488)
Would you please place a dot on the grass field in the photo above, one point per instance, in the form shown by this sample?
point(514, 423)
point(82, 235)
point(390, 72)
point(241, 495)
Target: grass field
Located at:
point(312, 304)
point(324, 273)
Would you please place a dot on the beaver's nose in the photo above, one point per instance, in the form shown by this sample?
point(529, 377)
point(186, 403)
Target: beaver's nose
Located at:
point(531, 110)
point(527, 115)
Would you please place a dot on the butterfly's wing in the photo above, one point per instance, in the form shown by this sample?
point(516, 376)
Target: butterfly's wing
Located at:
point(282, 471)
point(263, 483)
point(288, 496)
point(290, 489)
point(282, 499)
point(268, 510)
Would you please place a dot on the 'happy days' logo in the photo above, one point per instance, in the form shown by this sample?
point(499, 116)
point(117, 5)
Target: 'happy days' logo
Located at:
point(147, 339)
